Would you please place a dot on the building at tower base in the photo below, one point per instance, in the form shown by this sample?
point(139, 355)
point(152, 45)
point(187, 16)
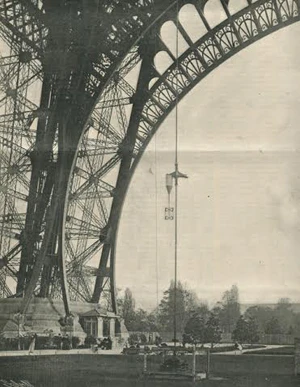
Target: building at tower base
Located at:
point(46, 316)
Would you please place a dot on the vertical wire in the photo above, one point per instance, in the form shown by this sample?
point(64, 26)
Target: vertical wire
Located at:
point(156, 219)
point(176, 189)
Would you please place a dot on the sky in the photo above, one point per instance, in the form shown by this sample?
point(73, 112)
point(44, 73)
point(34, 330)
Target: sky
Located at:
point(239, 143)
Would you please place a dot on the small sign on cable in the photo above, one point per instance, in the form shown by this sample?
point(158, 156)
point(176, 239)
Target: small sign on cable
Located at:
point(169, 213)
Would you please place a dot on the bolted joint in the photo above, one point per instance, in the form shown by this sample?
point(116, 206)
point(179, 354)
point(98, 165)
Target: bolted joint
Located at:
point(3, 262)
point(90, 123)
point(124, 148)
point(41, 113)
point(116, 76)
point(12, 93)
point(13, 169)
point(33, 155)
point(25, 56)
point(105, 235)
point(113, 192)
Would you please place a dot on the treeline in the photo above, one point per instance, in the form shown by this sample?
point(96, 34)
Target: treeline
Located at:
point(227, 311)
point(278, 320)
point(196, 321)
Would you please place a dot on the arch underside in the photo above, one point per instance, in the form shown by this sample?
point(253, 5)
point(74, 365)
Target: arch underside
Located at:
point(211, 50)
point(121, 126)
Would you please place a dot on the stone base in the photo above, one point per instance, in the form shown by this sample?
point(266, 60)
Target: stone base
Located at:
point(41, 318)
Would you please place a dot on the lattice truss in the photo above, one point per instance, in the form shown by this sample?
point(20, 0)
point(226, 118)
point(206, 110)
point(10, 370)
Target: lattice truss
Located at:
point(119, 94)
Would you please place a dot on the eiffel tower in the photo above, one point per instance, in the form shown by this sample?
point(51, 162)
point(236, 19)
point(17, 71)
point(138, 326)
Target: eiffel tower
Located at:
point(84, 86)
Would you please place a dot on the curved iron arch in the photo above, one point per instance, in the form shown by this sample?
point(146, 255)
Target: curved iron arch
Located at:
point(165, 85)
point(140, 15)
point(95, 86)
point(253, 22)
point(223, 41)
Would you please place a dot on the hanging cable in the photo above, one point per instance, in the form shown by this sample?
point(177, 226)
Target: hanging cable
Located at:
point(175, 176)
point(176, 187)
point(156, 220)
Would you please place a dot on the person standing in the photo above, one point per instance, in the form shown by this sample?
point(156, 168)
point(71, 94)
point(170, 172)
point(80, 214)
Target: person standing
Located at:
point(109, 343)
point(59, 341)
point(32, 344)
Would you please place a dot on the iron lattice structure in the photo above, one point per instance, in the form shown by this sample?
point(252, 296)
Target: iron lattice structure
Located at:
point(74, 122)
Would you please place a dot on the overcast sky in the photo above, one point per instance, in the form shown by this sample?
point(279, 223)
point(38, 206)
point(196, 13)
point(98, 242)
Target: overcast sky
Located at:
point(239, 210)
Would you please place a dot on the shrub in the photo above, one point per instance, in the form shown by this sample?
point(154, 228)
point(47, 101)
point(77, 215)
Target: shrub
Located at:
point(75, 341)
point(41, 342)
point(90, 340)
point(143, 338)
point(66, 343)
point(57, 341)
point(133, 339)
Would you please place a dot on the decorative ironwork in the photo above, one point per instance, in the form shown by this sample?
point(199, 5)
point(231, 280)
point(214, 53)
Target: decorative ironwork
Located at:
point(246, 26)
point(67, 158)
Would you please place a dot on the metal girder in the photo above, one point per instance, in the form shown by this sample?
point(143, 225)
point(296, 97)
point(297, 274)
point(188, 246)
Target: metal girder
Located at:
point(73, 200)
point(23, 20)
point(124, 171)
point(42, 186)
point(220, 43)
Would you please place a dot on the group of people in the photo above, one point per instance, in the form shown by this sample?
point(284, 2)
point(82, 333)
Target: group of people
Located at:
point(127, 345)
point(57, 342)
point(63, 342)
point(105, 343)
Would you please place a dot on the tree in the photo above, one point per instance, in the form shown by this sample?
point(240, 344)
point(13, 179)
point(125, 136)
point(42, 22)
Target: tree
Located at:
point(152, 325)
point(246, 331)
point(212, 332)
point(230, 309)
point(192, 301)
point(273, 327)
point(285, 302)
point(194, 331)
point(281, 319)
point(217, 311)
point(231, 296)
point(128, 310)
point(166, 307)
point(296, 324)
point(261, 314)
point(141, 323)
point(202, 311)
point(186, 303)
point(253, 331)
point(284, 314)
point(240, 332)
point(135, 320)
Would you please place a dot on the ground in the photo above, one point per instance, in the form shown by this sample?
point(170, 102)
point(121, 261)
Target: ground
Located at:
point(120, 370)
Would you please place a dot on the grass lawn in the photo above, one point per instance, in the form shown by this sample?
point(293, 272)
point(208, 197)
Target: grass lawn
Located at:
point(125, 371)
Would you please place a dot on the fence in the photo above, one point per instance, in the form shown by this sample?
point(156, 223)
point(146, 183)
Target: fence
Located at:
point(297, 356)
